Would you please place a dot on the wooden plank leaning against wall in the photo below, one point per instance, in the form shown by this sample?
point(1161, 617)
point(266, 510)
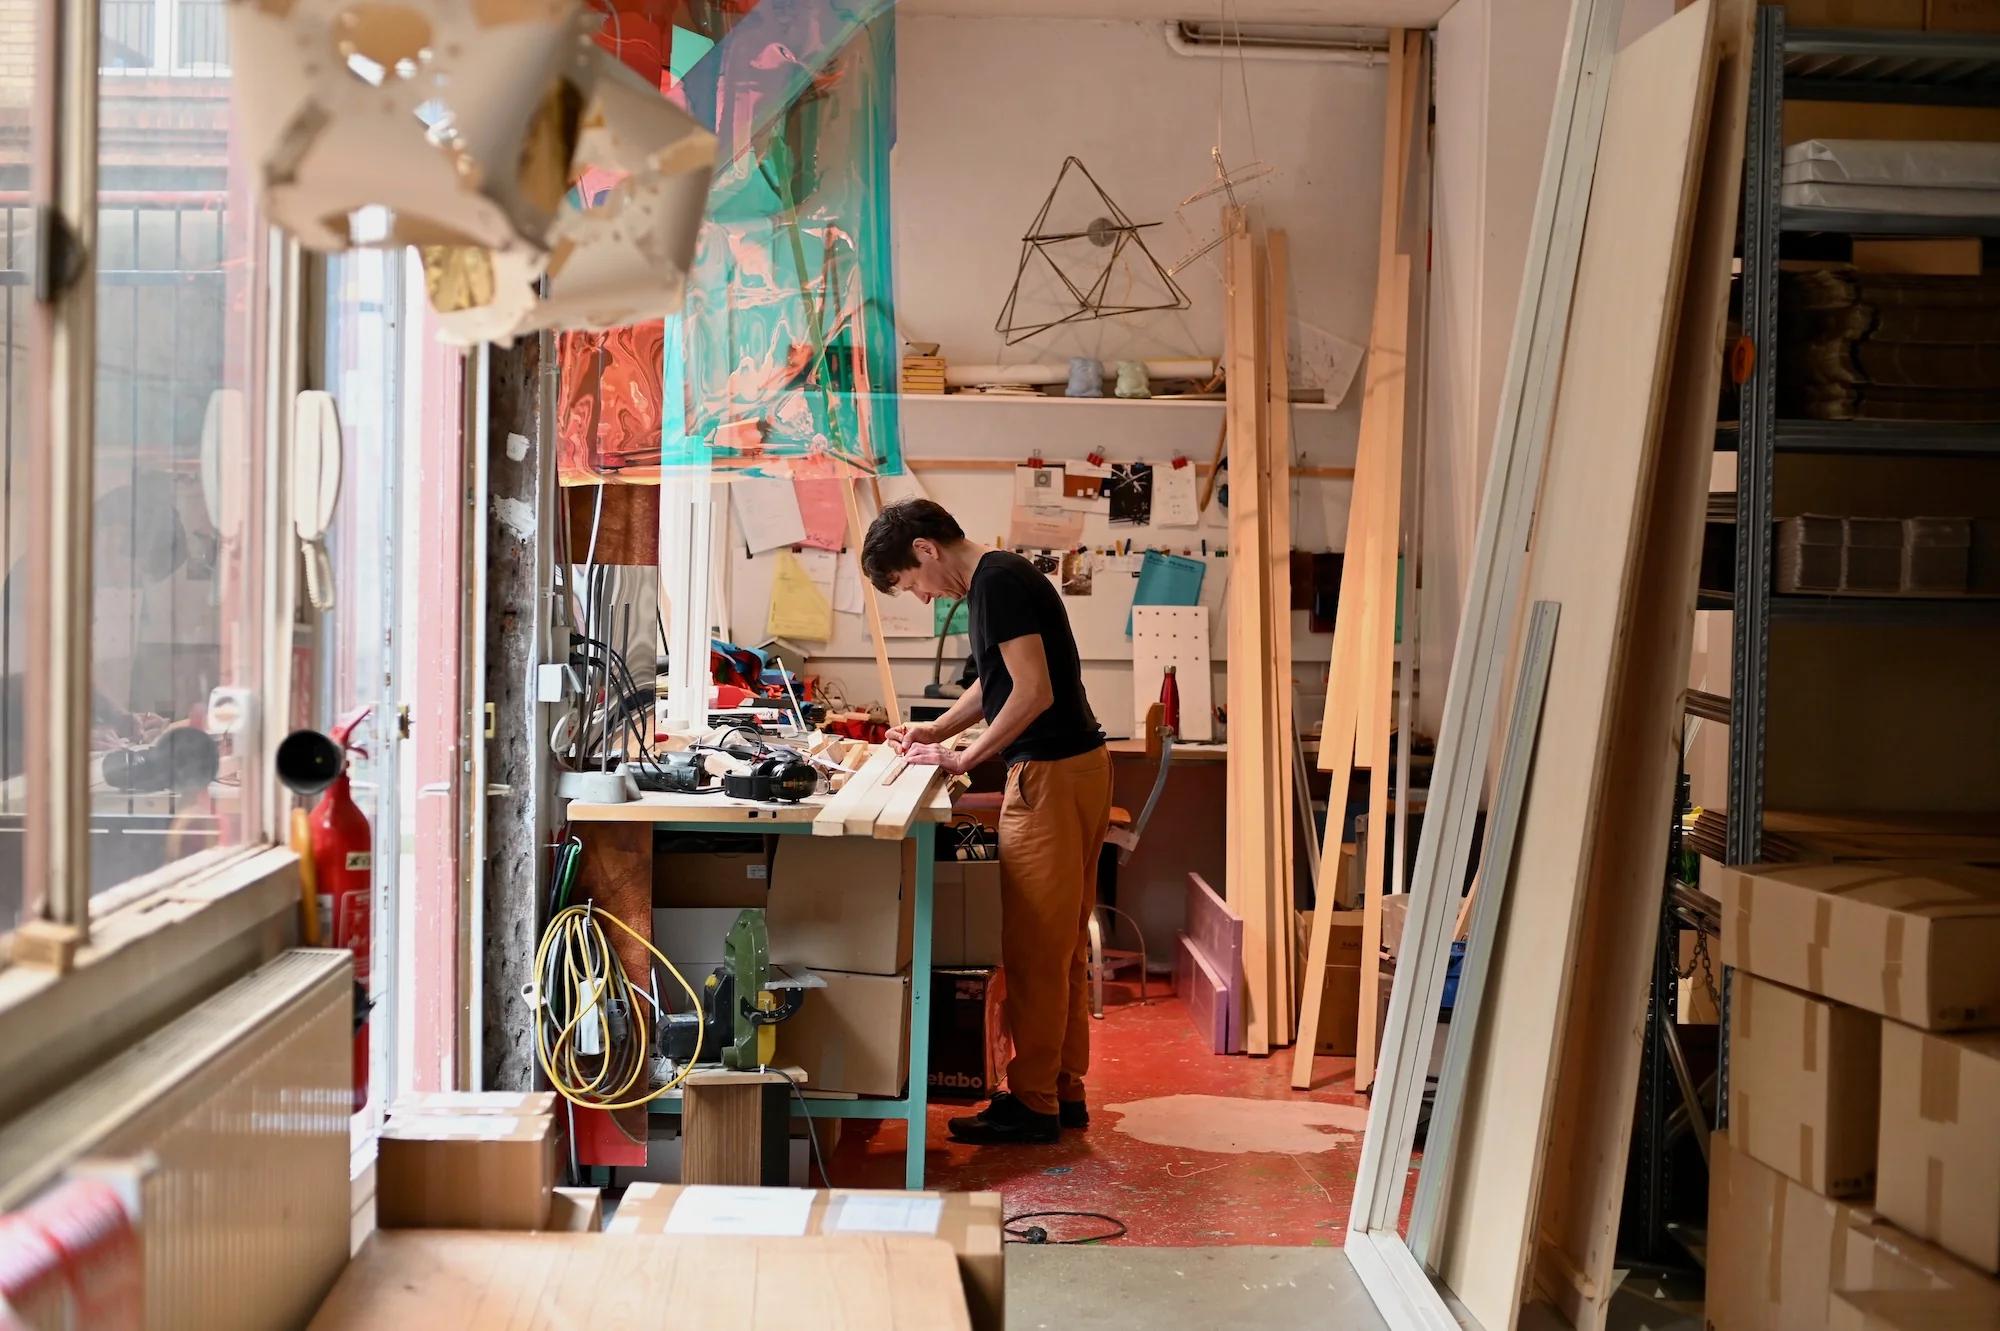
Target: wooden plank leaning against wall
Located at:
point(1252, 866)
point(1354, 728)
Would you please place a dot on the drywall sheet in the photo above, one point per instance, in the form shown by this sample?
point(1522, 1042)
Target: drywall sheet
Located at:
point(1626, 841)
point(1599, 465)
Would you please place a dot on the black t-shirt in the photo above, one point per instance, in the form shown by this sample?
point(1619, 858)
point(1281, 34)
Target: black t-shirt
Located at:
point(1010, 600)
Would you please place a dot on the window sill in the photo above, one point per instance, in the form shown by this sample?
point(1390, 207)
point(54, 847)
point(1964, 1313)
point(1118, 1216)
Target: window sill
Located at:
point(160, 949)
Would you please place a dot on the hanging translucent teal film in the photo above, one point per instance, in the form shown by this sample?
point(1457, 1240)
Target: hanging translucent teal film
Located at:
point(789, 353)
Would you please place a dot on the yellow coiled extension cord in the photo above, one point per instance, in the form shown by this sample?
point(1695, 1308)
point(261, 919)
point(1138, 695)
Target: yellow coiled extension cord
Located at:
point(585, 962)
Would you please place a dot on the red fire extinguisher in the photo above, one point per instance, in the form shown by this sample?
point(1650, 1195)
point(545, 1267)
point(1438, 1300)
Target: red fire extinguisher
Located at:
point(343, 867)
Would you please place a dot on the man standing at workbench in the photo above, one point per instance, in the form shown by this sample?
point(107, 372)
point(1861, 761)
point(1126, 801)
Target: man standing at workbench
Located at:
point(1058, 801)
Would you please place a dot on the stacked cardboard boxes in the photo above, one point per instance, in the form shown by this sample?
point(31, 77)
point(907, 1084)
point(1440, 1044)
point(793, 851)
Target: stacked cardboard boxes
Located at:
point(1859, 1181)
point(843, 908)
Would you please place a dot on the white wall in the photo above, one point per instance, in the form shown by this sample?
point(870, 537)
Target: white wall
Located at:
point(1497, 62)
point(987, 109)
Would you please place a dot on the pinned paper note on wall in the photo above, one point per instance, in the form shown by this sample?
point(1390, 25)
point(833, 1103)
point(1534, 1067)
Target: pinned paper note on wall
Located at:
point(896, 488)
point(800, 608)
point(823, 511)
point(1176, 502)
point(1131, 494)
point(1167, 580)
point(905, 616)
point(847, 594)
point(767, 514)
point(1040, 520)
point(1084, 487)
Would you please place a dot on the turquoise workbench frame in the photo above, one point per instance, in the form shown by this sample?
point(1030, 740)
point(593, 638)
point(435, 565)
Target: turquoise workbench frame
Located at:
point(914, 1104)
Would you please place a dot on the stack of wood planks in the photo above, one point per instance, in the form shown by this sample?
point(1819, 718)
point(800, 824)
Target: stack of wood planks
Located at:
point(1260, 829)
point(923, 374)
point(1355, 726)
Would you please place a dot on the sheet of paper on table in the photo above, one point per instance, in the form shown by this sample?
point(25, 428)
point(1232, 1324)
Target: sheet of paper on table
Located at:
point(760, 1212)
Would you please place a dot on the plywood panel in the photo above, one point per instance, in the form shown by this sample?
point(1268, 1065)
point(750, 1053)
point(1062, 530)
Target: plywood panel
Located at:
point(1600, 462)
point(1598, 1072)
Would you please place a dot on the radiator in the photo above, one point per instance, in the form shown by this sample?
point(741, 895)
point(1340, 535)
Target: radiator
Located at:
point(235, 1117)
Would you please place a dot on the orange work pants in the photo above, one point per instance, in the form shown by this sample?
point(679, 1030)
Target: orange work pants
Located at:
point(1052, 825)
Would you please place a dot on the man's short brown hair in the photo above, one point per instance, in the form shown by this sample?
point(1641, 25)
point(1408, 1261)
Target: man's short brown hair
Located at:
point(887, 550)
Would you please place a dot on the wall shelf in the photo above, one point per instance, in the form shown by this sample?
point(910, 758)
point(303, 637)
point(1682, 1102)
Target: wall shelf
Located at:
point(1890, 438)
point(1871, 223)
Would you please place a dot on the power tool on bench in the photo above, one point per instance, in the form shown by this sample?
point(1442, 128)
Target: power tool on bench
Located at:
point(743, 1002)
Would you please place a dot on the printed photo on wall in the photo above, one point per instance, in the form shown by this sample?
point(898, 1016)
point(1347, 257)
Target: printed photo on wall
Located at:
point(1077, 567)
point(1131, 494)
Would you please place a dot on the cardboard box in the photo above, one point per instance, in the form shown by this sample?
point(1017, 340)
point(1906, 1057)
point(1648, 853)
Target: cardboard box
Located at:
point(1938, 1175)
point(1913, 1310)
point(733, 879)
point(465, 1171)
point(1878, 1256)
point(1962, 16)
point(970, 1046)
point(1939, 256)
point(1776, 1249)
point(1804, 1083)
point(516, 1103)
point(1911, 940)
point(692, 938)
point(968, 1221)
point(1340, 1000)
point(614, 1282)
point(965, 913)
point(576, 1211)
point(853, 1035)
point(843, 904)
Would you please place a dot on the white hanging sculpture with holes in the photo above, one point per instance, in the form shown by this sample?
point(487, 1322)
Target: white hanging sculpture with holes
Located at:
point(459, 126)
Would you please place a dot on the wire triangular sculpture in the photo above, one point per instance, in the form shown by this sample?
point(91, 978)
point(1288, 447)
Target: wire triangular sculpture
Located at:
point(1112, 231)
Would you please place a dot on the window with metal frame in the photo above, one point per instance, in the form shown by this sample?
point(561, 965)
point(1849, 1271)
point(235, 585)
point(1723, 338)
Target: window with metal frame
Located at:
point(22, 134)
point(182, 442)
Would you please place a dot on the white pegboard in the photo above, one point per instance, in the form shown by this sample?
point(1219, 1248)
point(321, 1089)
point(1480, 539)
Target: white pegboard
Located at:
point(1177, 636)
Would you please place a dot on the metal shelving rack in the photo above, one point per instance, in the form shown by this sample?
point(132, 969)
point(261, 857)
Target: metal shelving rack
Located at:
point(1954, 69)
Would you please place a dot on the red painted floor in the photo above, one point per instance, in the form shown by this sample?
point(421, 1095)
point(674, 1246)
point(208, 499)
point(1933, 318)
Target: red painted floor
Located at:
point(1167, 1196)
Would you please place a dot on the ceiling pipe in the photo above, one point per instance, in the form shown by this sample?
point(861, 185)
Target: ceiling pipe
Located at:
point(1341, 46)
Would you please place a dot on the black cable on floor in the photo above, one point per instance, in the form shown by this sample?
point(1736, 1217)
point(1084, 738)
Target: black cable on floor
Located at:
point(1038, 1234)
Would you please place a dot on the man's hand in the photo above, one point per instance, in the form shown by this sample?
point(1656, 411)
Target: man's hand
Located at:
point(900, 738)
point(950, 761)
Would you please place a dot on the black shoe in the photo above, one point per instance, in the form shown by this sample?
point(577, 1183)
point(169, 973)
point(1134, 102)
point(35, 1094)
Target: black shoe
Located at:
point(1073, 1113)
point(1006, 1121)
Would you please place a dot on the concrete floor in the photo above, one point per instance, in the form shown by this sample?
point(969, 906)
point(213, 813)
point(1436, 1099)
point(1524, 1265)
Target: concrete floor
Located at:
point(1116, 1288)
